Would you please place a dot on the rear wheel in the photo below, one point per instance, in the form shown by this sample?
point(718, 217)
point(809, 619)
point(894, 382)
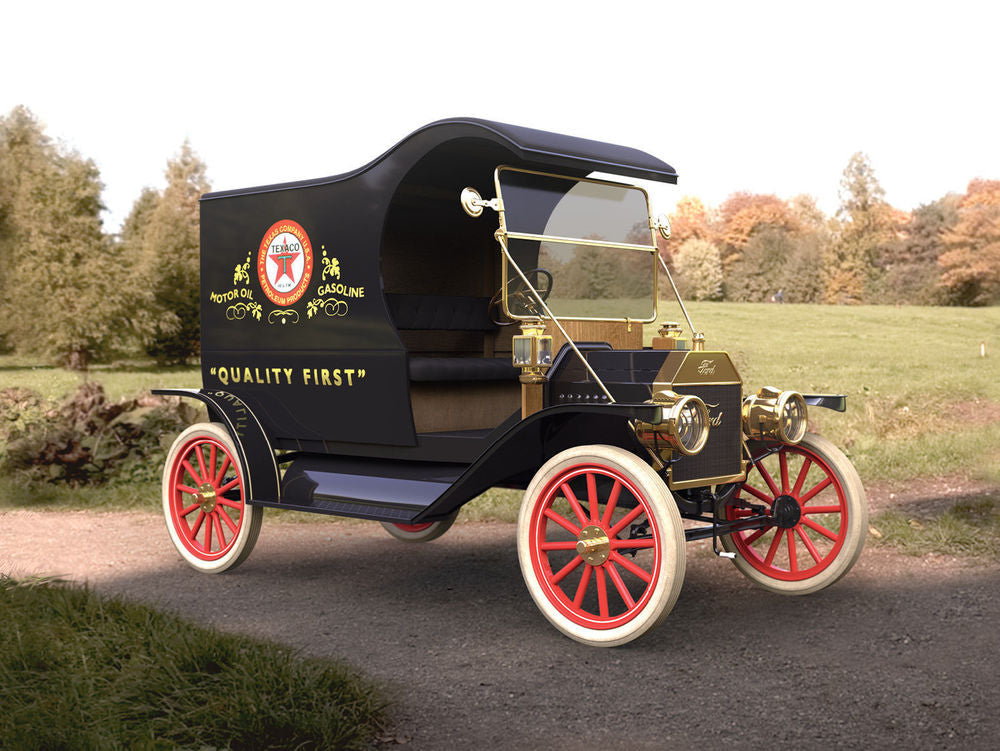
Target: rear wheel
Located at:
point(424, 532)
point(204, 500)
point(821, 517)
point(601, 545)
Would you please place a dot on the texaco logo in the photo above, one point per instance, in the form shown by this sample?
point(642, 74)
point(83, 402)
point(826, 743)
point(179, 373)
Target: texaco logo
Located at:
point(285, 262)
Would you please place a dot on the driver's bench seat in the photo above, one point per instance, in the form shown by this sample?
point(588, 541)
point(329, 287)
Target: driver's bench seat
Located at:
point(447, 337)
point(456, 382)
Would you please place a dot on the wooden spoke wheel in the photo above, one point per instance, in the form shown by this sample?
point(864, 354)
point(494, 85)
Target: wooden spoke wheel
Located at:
point(820, 514)
point(424, 532)
point(601, 545)
point(204, 500)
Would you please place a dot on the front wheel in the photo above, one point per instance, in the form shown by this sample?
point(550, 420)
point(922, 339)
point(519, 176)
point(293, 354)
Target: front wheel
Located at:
point(601, 545)
point(820, 514)
point(204, 500)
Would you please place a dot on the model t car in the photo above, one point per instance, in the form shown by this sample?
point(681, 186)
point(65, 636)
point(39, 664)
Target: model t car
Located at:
point(388, 344)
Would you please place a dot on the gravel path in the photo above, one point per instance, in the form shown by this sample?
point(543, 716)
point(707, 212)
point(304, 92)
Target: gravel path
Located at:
point(903, 652)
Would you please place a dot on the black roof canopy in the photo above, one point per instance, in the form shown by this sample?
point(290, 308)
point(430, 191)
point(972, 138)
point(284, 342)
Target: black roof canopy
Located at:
point(528, 147)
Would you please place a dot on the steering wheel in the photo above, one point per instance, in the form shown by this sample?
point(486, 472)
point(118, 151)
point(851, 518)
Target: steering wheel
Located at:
point(518, 294)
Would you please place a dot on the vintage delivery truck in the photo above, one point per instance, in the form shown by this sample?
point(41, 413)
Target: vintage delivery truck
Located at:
point(387, 344)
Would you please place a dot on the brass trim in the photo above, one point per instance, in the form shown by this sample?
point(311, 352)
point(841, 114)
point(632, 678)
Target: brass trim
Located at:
point(593, 545)
point(207, 497)
point(579, 241)
point(502, 232)
point(677, 295)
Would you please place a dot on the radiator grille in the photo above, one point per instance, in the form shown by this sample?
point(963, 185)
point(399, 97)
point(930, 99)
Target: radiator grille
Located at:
point(721, 455)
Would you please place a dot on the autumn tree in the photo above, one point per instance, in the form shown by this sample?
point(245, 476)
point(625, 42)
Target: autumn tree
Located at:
point(970, 265)
point(742, 214)
point(689, 220)
point(163, 231)
point(698, 268)
point(852, 262)
point(63, 284)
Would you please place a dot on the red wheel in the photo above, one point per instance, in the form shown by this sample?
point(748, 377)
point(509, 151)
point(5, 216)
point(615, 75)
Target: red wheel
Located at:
point(204, 500)
point(420, 532)
point(820, 518)
point(601, 545)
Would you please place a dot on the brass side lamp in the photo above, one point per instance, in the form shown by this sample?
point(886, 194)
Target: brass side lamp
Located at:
point(533, 355)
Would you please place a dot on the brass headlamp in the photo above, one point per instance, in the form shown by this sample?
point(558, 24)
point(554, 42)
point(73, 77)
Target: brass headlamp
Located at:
point(774, 415)
point(683, 426)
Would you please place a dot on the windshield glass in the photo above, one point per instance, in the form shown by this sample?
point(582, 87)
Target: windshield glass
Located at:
point(592, 238)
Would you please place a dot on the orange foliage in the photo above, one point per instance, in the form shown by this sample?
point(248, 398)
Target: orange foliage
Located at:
point(689, 220)
point(970, 267)
point(742, 213)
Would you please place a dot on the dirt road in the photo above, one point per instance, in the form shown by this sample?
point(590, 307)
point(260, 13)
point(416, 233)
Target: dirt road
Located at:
point(904, 652)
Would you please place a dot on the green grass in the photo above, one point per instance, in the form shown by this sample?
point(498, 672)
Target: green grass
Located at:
point(82, 671)
point(51, 497)
point(965, 528)
point(122, 379)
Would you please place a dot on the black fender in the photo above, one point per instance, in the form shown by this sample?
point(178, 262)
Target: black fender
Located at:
point(517, 454)
point(256, 452)
point(836, 402)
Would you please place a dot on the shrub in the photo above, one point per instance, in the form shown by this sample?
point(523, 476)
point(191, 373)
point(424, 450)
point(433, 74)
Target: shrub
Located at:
point(86, 438)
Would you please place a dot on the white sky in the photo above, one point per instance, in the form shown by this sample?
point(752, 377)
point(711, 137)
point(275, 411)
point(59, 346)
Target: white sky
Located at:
point(766, 97)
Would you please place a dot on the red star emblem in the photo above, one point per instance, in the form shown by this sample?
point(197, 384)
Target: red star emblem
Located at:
point(284, 256)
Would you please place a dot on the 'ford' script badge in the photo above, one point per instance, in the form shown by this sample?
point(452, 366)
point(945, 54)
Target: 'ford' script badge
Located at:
point(707, 367)
point(714, 420)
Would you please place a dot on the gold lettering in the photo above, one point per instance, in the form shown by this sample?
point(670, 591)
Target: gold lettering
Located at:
point(305, 376)
point(336, 377)
point(246, 376)
point(224, 375)
point(288, 375)
point(325, 375)
point(350, 374)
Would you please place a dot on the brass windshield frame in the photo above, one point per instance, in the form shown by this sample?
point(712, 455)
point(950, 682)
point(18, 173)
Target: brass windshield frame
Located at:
point(505, 234)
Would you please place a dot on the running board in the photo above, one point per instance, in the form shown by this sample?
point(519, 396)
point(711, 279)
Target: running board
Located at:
point(386, 490)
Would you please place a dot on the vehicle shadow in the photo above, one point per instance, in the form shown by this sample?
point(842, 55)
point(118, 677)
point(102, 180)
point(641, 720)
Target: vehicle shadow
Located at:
point(895, 653)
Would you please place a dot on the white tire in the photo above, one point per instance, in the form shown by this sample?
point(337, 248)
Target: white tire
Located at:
point(822, 539)
point(592, 566)
point(204, 500)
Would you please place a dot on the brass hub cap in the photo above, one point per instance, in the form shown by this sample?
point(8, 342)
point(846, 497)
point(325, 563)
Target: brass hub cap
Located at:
point(206, 497)
point(593, 545)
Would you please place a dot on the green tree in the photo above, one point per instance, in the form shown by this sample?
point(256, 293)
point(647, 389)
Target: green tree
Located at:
point(699, 270)
point(775, 260)
point(165, 232)
point(912, 275)
point(852, 262)
point(64, 284)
